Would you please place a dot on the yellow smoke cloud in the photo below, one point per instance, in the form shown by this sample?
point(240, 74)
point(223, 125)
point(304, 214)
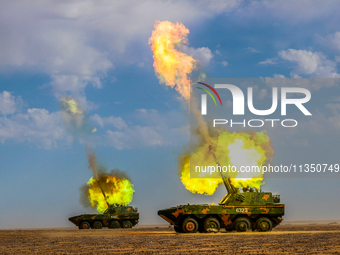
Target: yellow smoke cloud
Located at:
point(234, 149)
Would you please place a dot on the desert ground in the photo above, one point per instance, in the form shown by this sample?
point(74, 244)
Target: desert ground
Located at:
point(304, 237)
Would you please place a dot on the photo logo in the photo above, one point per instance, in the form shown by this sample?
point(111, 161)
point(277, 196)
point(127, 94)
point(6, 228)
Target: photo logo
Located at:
point(238, 102)
point(204, 97)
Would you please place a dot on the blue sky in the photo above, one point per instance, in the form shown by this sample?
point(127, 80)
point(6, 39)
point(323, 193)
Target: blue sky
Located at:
point(98, 52)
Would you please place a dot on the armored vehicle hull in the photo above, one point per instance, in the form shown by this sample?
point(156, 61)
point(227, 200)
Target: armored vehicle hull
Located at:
point(113, 217)
point(249, 210)
point(210, 218)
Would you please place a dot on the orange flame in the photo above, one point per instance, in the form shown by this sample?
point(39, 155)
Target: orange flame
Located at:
point(230, 149)
point(172, 65)
point(117, 191)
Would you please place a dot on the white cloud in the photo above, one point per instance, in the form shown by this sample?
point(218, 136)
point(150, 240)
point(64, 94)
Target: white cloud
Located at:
point(77, 42)
point(144, 136)
point(136, 136)
point(9, 104)
point(203, 54)
point(278, 75)
point(334, 40)
point(269, 61)
point(252, 50)
point(36, 126)
point(225, 63)
point(154, 129)
point(310, 63)
point(45, 129)
point(48, 130)
point(117, 122)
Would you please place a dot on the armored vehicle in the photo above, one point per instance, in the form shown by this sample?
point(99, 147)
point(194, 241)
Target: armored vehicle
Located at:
point(116, 216)
point(249, 210)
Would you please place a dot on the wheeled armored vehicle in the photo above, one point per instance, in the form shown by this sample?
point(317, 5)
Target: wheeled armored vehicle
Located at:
point(246, 211)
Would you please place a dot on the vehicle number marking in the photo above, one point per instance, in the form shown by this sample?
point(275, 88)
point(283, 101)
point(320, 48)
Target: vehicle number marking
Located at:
point(241, 210)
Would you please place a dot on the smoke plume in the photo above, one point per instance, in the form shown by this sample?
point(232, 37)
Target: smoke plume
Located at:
point(173, 68)
point(105, 189)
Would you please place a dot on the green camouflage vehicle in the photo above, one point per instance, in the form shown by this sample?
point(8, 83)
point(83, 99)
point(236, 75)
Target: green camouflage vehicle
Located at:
point(116, 216)
point(250, 210)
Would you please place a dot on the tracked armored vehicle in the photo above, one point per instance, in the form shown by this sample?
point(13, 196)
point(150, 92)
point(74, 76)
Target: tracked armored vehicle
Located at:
point(115, 216)
point(249, 210)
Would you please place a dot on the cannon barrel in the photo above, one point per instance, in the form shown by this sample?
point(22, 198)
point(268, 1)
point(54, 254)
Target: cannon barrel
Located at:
point(108, 205)
point(226, 181)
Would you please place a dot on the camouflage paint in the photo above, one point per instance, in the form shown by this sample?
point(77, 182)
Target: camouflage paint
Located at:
point(119, 213)
point(252, 205)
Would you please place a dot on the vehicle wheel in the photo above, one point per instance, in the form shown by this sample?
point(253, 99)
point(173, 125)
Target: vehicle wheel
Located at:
point(264, 224)
point(189, 225)
point(97, 225)
point(211, 225)
point(242, 224)
point(177, 229)
point(127, 224)
point(84, 225)
point(114, 224)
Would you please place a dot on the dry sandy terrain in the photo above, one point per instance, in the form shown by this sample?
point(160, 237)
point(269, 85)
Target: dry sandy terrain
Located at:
point(288, 238)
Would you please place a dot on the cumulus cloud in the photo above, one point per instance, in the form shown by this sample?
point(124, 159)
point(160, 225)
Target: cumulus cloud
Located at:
point(334, 40)
point(33, 125)
point(225, 63)
point(47, 130)
point(37, 126)
point(74, 84)
point(203, 54)
point(9, 104)
point(136, 136)
point(117, 122)
point(310, 63)
point(153, 129)
point(252, 50)
point(144, 136)
point(278, 75)
point(269, 61)
point(77, 42)
point(217, 52)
